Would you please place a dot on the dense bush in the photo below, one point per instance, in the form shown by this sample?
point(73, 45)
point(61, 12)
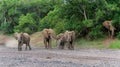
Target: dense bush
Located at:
point(118, 35)
point(96, 32)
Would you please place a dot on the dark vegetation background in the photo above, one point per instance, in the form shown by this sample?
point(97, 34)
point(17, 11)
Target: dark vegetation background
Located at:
point(85, 17)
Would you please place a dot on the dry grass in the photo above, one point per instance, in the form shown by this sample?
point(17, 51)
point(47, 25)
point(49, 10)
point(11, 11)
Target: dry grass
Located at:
point(36, 39)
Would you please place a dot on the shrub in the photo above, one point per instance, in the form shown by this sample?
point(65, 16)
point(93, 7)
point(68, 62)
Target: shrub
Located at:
point(87, 23)
point(118, 35)
point(96, 32)
point(6, 27)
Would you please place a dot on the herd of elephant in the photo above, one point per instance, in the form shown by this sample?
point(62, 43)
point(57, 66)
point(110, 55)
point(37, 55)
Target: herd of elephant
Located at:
point(68, 37)
point(48, 34)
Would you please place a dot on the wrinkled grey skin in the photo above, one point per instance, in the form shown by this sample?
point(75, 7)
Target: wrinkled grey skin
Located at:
point(48, 34)
point(67, 38)
point(23, 38)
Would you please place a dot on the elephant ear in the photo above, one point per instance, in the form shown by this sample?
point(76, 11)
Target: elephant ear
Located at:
point(52, 33)
point(44, 33)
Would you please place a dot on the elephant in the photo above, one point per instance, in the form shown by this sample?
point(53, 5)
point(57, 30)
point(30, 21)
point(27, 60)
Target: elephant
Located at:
point(108, 25)
point(70, 39)
point(60, 40)
point(48, 34)
point(23, 38)
point(67, 38)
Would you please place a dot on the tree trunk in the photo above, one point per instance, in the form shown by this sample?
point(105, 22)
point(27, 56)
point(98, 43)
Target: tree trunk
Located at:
point(84, 13)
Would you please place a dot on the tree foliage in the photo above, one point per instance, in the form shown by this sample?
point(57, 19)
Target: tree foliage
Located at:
point(26, 24)
point(85, 17)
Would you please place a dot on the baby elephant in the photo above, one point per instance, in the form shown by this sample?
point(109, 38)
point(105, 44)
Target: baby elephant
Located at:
point(60, 40)
point(23, 38)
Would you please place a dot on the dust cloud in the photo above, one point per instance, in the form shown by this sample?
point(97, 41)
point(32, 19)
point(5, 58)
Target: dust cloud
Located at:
point(11, 43)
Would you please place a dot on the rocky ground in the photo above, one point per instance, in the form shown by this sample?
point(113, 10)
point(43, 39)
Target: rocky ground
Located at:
point(40, 57)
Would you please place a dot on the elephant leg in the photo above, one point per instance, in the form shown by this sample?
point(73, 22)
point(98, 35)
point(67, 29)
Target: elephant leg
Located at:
point(59, 46)
point(62, 45)
point(69, 46)
point(72, 47)
point(109, 33)
point(45, 43)
point(29, 46)
point(49, 44)
point(19, 47)
point(26, 46)
point(112, 34)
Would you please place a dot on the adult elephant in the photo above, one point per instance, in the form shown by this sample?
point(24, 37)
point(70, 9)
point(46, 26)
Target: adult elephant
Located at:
point(70, 39)
point(23, 38)
point(108, 25)
point(48, 34)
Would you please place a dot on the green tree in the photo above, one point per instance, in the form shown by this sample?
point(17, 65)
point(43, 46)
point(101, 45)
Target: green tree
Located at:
point(26, 24)
point(11, 10)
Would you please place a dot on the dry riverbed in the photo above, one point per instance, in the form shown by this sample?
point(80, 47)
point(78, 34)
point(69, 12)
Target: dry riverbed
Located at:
point(40, 57)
